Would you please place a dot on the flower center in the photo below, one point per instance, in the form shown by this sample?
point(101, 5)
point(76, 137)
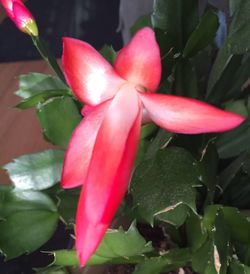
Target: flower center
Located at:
point(141, 88)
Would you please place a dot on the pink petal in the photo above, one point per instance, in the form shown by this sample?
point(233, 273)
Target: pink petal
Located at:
point(22, 15)
point(139, 61)
point(91, 77)
point(86, 110)
point(109, 172)
point(185, 115)
point(79, 151)
point(8, 6)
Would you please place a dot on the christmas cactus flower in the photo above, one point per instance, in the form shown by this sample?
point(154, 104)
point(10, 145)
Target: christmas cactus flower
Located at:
point(21, 16)
point(119, 99)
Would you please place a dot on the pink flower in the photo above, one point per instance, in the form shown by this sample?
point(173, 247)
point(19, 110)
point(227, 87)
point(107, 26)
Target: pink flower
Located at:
point(21, 16)
point(102, 150)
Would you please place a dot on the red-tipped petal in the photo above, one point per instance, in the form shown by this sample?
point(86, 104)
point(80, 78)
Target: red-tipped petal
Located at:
point(91, 77)
point(109, 172)
point(139, 61)
point(186, 115)
point(79, 151)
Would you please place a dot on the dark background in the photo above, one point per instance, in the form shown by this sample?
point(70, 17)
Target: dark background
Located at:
point(90, 20)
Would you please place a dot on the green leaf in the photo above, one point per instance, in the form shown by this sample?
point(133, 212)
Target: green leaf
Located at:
point(108, 53)
point(58, 118)
point(40, 98)
point(238, 268)
point(212, 256)
point(172, 260)
point(232, 143)
point(161, 139)
point(36, 171)
point(239, 79)
point(35, 83)
point(117, 247)
point(147, 130)
point(68, 200)
point(229, 173)
point(29, 219)
point(238, 38)
point(238, 107)
point(209, 168)
point(185, 79)
point(141, 22)
point(221, 241)
point(238, 42)
point(237, 223)
point(221, 88)
point(233, 6)
point(169, 14)
point(196, 234)
point(203, 35)
point(203, 260)
point(159, 188)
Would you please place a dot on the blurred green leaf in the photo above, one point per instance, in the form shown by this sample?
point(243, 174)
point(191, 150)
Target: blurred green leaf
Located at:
point(238, 42)
point(239, 79)
point(238, 268)
point(28, 220)
point(161, 139)
point(159, 188)
point(36, 171)
point(40, 98)
point(143, 21)
point(233, 6)
point(58, 118)
point(230, 172)
point(203, 35)
point(209, 168)
point(108, 53)
point(68, 200)
point(225, 81)
point(35, 83)
point(234, 142)
point(147, 130)
point(117, 247)
point(171, 260)
point(168, 13)
point(237, 106)
point(185, 83)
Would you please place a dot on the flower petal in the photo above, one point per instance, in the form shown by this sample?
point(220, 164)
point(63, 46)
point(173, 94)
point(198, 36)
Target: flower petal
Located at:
point(139, 61)
point(22, 16)
point(186, 115)
point(109, 172)
point(91, 77)
point(79, 151)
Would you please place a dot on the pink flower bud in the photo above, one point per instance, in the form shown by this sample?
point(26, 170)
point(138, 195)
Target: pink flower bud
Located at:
point(21, 16)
